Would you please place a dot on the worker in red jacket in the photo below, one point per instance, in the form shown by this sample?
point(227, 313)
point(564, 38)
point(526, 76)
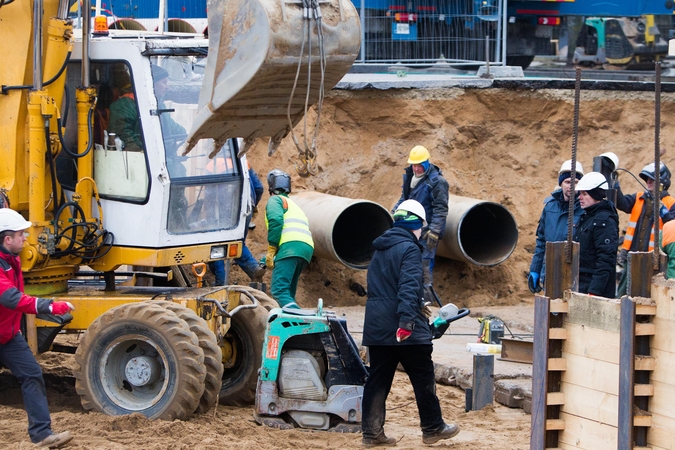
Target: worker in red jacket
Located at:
point(15, 354)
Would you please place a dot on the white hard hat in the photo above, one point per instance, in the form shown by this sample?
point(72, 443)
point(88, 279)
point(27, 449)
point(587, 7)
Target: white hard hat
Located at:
point(591, 181)
point(11, 220)
point(567, 167)
point(611, 156)
point(415, 207)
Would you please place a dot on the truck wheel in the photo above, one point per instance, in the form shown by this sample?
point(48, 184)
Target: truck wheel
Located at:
point(139, 357)
point(247, 332)
point(213, 356)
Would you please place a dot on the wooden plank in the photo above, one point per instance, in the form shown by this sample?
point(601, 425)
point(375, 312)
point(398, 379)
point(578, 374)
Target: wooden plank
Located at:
point(555, 424)
point(592, 343)
point(626, 375)
point(642, 421)
point(539, 372)
point(555, 398)
point(557, 333)
point(645, 363)
point(559, 306)
point(587, 434)
point(591, 373)
point(644, 390)
point(660, 434)
point(558, 364)
point(664, 366)
point(594, 312)
point(590, 404)
point(645, 329)
point(645, 310)
point(664, 338)
point(662, 404)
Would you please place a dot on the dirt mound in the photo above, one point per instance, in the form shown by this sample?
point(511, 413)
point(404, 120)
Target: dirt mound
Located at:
point(491, 144)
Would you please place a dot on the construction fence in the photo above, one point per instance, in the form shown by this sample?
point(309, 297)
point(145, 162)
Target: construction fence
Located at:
point(422, 32)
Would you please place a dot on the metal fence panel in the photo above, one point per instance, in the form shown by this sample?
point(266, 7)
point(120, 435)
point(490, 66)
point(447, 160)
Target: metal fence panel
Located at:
point(417, 32)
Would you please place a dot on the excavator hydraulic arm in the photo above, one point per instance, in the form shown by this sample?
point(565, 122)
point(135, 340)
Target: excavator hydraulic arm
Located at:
point(269, 60)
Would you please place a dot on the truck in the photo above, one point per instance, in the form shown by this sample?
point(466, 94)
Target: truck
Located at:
point(629, 30)
point(111, 210)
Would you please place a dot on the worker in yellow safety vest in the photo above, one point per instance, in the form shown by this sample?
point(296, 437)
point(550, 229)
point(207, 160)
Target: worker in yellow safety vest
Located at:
point(640, 229)
point(289, 240)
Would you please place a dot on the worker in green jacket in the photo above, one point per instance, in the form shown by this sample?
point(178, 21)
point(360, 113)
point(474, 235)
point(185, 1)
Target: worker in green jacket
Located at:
point(124, 120)
point(289, 241)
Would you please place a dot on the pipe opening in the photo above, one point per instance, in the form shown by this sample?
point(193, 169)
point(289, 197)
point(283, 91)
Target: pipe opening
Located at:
point(355, 230)
point(488, 234)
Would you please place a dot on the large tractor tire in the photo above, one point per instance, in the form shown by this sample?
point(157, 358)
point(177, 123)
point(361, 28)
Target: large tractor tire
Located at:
point(213, 356)
point(247, 332)
point(140, 357)
point(265, 300)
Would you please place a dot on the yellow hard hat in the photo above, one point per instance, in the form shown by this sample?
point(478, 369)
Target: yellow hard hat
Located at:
point(418, 155)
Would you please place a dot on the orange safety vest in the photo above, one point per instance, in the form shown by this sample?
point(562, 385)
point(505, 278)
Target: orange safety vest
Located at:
point(668, 234)
point(635, 216)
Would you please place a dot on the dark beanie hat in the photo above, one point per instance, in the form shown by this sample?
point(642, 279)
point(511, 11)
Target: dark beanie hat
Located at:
point(565, 175)
point(597, 193)
point(158, 73)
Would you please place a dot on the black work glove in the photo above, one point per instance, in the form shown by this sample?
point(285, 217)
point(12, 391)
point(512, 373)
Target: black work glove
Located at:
point(432, 241)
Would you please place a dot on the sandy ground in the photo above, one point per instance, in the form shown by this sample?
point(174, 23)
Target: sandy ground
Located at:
point(496, 145)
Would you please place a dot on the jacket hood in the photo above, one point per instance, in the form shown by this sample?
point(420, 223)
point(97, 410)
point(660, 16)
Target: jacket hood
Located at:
point(394, 236)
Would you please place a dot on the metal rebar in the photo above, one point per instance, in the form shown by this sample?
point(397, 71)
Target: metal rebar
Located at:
point(573, 172)
point(657, 166)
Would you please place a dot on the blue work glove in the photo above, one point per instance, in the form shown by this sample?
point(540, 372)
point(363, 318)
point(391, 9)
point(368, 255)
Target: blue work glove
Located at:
point(533, 282)
point(663, 211)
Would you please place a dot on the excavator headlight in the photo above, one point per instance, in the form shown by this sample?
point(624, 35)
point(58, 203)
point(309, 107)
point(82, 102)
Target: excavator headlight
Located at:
point(218, 252)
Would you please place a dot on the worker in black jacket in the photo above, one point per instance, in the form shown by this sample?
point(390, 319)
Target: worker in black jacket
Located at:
point(598, 235)
point(397, 331)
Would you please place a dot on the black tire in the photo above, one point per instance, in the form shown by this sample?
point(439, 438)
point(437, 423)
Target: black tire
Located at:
point(246, 334)
point(213, 356)
point(131, 338)
point(265, 300)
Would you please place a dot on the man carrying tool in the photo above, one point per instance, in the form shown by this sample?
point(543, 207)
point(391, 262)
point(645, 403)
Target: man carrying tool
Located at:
point(640, 230)
point(395, 330)
point(553, 222)
point(424, 182)
point(15, 354)
point(289, 241)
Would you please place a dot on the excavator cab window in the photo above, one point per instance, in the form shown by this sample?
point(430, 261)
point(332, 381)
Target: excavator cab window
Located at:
point(120, 166)
point(207, 182)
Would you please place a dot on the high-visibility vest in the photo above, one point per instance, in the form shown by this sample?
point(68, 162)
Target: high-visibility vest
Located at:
point(668, 234)
point(296, 225)
point(635, 216)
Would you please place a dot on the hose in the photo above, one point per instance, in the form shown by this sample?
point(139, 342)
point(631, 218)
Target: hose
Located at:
point(6, 89)
point(90, 132)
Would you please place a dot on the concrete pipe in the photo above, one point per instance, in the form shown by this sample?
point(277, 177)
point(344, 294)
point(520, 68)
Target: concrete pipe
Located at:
point(343, 229)
point(478, 232)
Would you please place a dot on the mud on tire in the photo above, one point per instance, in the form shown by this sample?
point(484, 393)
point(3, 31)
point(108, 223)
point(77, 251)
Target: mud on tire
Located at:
point(140, 357)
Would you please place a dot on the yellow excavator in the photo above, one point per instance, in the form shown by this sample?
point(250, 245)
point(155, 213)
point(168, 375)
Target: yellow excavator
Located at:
point(126, 149)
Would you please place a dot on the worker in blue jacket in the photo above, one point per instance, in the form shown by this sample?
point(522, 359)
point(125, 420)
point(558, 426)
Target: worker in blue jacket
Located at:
point(396, 330)
point(424, 182)
point(553, 222)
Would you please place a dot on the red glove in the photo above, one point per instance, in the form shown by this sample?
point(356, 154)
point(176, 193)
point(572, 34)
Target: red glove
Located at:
point(402, 334)
point(61, 308)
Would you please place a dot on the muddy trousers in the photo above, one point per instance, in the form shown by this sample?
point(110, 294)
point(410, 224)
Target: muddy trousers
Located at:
point(285, 280)
point(16, 356)
point(416, 360)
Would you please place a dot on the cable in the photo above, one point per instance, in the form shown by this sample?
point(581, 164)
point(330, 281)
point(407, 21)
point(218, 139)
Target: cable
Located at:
point(5, 89)
point(90, 132)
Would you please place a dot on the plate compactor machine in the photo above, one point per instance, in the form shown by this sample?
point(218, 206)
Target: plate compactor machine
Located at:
point(312, 375)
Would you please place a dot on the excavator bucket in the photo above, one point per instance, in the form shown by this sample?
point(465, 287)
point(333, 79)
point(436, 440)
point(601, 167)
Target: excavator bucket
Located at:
point(264, 67)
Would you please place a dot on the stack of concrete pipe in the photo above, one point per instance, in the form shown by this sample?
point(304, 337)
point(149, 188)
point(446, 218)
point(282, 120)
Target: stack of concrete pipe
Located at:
point(477, 232)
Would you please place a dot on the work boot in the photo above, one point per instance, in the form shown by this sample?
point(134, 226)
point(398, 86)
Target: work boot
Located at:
point(56, 440)
point(447, 432)
point(258, 274)
point(381, 441)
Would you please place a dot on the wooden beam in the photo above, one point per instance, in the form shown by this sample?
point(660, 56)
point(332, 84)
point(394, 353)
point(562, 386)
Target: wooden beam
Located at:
point(587, 434)
point(645, 310)
point(591, 373)
point(557, 333)
point(557, 364)
point(540, 372)
point(645, 329)
point(626, 375)
point(642, 421)
point(647, 363)
point(555, 398)
point(644, 390)
point(555, 424)
point(592, 343)
point(559, 306)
